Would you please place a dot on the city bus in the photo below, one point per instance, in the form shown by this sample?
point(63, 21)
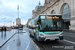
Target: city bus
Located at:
point(20, 27)
point(46, 27)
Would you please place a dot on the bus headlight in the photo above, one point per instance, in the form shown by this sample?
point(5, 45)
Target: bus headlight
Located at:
point(41, 35)
point(61, 34)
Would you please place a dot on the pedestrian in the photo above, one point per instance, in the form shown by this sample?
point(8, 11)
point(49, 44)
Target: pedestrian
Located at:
point(2, 29)
point(5, 29)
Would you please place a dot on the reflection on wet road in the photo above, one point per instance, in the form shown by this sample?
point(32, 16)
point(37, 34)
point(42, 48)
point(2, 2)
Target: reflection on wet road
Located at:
point(5, 35)
point(57, 45)
point(20, 41)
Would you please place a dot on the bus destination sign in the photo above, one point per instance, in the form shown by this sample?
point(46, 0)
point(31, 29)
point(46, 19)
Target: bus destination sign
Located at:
point(55, 17)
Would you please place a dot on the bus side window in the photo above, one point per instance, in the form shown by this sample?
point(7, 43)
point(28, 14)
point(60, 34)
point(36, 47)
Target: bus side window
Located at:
point(35, 22)
point(58, 24)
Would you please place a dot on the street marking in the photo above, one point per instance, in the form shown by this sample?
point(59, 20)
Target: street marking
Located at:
point(69, 41)
point(28, 43)
point(37, 48)
point(27, 46)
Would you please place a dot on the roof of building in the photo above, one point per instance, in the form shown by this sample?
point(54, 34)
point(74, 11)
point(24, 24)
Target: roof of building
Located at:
point(38, 6)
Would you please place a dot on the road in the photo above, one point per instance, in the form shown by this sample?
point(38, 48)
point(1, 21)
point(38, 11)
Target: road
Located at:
point(5, 35)
point(67, 44)
point(20, 41)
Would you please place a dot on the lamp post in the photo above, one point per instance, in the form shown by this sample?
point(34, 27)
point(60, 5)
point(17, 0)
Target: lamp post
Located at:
point(13, 24)
point(4, 21)
point(10, 22)
point(13, 27)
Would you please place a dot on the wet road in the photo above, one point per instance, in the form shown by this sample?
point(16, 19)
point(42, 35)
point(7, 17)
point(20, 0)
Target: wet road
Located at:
point(20, 41)
point(5, 35)
point(67, 44)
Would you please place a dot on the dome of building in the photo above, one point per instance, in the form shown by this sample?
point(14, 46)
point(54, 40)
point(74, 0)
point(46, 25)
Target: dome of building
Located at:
point(38, 6)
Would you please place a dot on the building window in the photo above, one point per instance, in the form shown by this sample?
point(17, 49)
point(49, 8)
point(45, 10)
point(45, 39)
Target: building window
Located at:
point(66, 12)
point(53, 12)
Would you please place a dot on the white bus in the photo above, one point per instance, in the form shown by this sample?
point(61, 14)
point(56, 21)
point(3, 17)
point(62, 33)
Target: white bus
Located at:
point(45, 27)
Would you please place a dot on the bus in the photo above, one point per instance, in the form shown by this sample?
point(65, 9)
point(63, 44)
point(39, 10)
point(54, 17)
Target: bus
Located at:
point(20, 27)
point(46, 27)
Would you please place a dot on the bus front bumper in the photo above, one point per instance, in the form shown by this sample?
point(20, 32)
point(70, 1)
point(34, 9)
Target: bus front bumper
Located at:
point(50, 38)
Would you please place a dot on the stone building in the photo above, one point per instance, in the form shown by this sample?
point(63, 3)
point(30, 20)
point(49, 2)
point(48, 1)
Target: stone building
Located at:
point(64, 7)
point(18, 21)
point(28, 21)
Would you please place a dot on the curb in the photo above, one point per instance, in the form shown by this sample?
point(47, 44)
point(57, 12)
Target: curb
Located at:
point(36, 47)
point(7, 40)
point(22, 32)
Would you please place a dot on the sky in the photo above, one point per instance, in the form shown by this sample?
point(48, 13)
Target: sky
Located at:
point(9, 12)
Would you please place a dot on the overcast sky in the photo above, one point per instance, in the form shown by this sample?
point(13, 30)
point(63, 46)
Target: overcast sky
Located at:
point(8, 9)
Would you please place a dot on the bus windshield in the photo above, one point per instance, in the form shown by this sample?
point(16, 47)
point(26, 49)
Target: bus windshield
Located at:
point(20, 26)
point(50, 24)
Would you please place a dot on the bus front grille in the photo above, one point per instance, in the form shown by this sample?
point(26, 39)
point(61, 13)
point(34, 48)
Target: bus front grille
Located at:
point(51, 33)
point(52, 37)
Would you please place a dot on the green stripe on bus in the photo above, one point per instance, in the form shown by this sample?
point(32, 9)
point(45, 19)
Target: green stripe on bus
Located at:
point(36, 30)
point(52, 32)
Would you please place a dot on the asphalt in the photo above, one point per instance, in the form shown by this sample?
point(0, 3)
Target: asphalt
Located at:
point(6, 36)
point(68, 43)
point(20, 41)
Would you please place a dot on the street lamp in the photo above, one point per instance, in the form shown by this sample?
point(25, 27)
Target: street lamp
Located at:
point(13, 24)
point(4, 21)
point(10, 24)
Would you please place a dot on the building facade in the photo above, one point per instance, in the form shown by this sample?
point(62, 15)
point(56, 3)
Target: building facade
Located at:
point(18, 21)
point(64, 7)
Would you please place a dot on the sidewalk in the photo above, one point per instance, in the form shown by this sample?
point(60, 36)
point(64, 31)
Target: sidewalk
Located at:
point(4, 37)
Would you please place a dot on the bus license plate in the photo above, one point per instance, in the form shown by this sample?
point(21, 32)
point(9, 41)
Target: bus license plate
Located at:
point(52, 39)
